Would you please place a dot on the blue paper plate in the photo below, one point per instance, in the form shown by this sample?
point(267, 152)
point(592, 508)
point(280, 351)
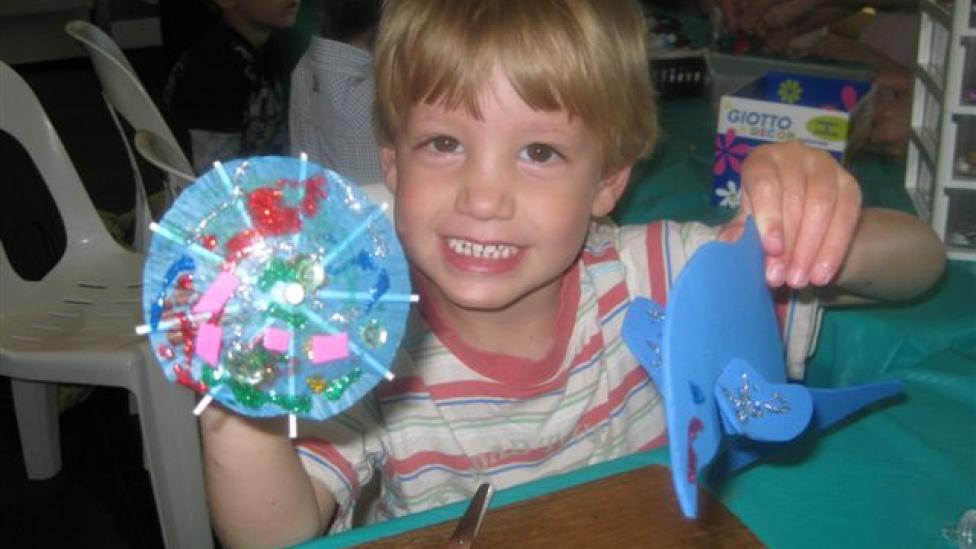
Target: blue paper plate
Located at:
point(277, 287)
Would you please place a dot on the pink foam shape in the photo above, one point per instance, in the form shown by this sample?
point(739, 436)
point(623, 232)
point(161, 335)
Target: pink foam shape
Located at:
point(218, 293)
point(276, 339)
point(326, 348)
point(207, 344)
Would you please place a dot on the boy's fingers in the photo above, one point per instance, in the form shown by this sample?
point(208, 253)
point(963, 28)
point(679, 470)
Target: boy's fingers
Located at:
point(763, 199)
point(779, 243)
point(794, 196)
point(838, 238)
point(818, 213)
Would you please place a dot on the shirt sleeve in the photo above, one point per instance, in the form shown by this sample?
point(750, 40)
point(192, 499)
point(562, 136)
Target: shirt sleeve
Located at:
point(656, 253)
point(340, 453)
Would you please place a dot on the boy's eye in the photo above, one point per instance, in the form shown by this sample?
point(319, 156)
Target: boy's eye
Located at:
point(540, 153)
point(444, 144)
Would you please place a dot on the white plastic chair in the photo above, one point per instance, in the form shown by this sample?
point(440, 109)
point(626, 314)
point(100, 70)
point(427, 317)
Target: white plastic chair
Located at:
point(76, 325)
point(162, 154)
point(126, 96)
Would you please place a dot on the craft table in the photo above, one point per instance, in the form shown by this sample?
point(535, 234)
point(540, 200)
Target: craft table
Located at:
point(609, 511)
point(889, 478)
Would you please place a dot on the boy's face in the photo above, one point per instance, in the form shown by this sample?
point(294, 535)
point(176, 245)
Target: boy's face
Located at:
point(493, 211)
point(271, 14)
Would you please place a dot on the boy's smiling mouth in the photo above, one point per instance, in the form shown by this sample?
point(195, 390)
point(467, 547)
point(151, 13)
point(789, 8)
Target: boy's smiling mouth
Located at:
point(480, 250)
point(481, 257)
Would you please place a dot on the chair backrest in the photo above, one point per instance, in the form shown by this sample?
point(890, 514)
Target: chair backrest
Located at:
point(23, 117)
point(121, 85)
point(158, 152)
point(125, 95)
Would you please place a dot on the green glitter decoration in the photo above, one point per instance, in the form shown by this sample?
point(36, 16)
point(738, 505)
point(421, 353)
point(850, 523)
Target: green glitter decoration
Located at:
point(252, 397)
point(339, 386)
point(301, 270)
point(295, 320)
point(277, 270)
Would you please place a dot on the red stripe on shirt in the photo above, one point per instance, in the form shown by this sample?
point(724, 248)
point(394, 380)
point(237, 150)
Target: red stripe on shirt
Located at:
point(587, 421)
point(656, 262)
point(612, 299)
point(476, 388)
point(608, 253)
point(656, 442)
point(518, 370)
point(328, 452)
point(399, 386)
point(617, 395)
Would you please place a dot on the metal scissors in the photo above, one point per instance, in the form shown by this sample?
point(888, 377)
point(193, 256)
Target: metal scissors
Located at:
point(467, 529)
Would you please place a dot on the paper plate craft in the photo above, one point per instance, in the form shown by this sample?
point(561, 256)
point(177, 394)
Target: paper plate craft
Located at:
point(716, 355)
point(275, 287)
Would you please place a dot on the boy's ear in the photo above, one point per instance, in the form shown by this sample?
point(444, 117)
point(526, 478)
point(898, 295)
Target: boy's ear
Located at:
point(388, 163)
point(611, 188)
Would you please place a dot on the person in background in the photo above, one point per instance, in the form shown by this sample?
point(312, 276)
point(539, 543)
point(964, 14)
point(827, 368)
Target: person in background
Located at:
point(332, 92)
point(507, 131)
point(226, 96)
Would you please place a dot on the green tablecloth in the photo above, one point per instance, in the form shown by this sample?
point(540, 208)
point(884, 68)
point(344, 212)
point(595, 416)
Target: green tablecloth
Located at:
point(891, 478)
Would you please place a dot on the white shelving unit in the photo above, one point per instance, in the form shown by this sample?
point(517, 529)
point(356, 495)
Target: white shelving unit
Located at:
point(941, 171)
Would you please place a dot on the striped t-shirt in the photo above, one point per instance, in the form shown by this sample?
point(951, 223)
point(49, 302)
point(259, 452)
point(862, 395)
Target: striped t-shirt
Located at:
point(455, 416)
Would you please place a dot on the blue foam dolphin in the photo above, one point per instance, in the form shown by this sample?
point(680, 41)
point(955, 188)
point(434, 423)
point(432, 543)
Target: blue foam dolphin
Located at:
point(717, 357)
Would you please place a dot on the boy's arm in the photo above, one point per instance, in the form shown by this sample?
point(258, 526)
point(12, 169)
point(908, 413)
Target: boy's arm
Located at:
point(893, 256)
point(258, 492)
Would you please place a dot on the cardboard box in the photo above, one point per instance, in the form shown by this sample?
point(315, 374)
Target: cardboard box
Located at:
point(827, 113)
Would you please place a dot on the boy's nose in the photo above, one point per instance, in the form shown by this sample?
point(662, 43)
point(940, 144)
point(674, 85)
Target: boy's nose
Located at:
point(486, 195)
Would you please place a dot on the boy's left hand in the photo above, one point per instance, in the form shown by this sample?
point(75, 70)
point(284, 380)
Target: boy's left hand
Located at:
point(806, 207)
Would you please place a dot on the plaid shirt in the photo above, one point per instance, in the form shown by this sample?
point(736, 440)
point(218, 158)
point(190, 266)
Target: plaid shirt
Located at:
point(331, 110)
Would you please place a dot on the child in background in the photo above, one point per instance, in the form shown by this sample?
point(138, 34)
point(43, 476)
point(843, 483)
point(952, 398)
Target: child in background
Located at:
point(225, 97)
point(332, 89)
point(508, 130)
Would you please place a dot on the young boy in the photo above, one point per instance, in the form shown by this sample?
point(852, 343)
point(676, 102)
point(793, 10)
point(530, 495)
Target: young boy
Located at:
point(225, 97)
point(508, 130)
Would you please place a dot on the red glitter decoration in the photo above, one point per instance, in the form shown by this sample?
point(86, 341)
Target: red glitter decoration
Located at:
point(185, 378)
point(188, 333)
point(314, 192)
point(165, 352)
point(209, 241)
point(238, 247)
point(270, 216)
point(185, 282)
point(695, 426)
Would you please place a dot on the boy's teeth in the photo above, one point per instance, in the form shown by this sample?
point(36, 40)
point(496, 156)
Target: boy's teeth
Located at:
point(484, 251)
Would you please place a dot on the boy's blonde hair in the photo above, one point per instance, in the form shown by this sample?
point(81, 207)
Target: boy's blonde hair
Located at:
point(586, 57)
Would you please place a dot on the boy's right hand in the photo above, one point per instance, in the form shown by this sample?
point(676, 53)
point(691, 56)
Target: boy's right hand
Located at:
point(258, 491)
